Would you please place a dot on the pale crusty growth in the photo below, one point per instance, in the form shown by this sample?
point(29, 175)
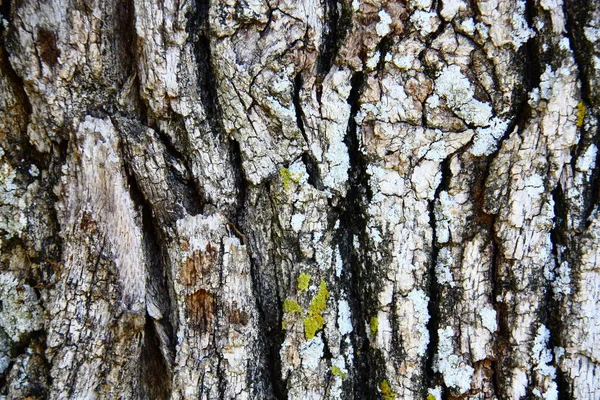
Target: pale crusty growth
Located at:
point(307, 199)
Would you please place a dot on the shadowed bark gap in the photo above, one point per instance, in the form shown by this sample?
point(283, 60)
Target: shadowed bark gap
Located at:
point(554, 323)
point(362, 293)
point(434, 287)
point(156, 373)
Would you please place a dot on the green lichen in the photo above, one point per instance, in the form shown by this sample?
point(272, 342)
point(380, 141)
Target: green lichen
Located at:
point(315, 321)
point(374, 325)
point(286, 177)
point(580, 113)
point(290, 306)
point(312, 324)
point(386, 391)
point(303, 281)
point(319, 302)
point(430, 397)
point(336, 371)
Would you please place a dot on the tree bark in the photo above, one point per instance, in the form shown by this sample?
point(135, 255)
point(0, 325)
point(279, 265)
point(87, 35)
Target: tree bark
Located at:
point(244, 199)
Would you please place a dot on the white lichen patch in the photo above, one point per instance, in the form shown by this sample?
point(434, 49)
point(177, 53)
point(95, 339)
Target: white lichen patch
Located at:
point(448, 213)
point(468, 26)
point(561, 285)
point(586, 161)
point(383, 26)
point(489, 318)
point(458, 92)
point(542, 357)
point(521, 32)
point(436, 392)
point(426, 178)
point(344, 317)
point(298, 172)
point(485, 141)
point(425, 22)
point(592, 33)
point(456, 373)
point(555, 7)
point(339, 263)
point(34, 170)
point(443, 273)
point(311, 352)
point(420, 303)
point(12, 204)
point(336, 111)
point(385, 181)
point(451, 7)
point(21, 312)
point(297, 221)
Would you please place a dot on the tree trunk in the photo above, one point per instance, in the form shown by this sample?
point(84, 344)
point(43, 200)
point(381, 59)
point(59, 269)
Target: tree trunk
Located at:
point(338, 199)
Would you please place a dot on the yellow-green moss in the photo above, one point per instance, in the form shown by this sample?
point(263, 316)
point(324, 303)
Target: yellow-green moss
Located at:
point(374, 325)
point(386, 391)
point(312, 324)
point(286, 177)
point(315, 321)
point(335, 370)
point(290, 306)
point(430, 397)
point(319, 302)
point(580, 113)
point(303, 281)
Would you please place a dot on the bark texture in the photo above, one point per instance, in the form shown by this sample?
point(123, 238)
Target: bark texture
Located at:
point(303, 199)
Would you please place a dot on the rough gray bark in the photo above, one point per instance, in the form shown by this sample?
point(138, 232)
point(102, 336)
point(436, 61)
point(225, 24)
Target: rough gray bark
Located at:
point(299, 199)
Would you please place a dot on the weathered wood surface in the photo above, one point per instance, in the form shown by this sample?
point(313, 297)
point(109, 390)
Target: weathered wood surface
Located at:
point(244, 199)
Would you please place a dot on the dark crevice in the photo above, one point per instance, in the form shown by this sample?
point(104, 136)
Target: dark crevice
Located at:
point(198, 27)
point(383, 47)
point(362, 297)
point(5, 7)
point(312, 169)
point(267, 370)
point(338, 23)
point(242, 184)
point(124, 39)
point(20, 148)
point(157, 351)
point(578, 14)
point(502, 330)
point(331, 36)
point(531, 60)
point(272, 336)
point(592, 199)
point(298, 106)
point(434, 287)
point(193, 198)
point(156, 376)
point(552, 309)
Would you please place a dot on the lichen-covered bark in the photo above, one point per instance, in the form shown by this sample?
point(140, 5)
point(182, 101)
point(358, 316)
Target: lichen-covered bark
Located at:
point(299, 199)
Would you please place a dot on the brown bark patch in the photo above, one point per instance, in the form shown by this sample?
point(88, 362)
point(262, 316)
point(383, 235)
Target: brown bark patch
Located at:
point(88, 223)
point(237, 316)
point(200, 307)
point(198, 265)
point(46, 43)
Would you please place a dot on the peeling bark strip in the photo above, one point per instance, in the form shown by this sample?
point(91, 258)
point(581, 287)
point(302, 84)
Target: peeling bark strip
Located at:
point(300, 199)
